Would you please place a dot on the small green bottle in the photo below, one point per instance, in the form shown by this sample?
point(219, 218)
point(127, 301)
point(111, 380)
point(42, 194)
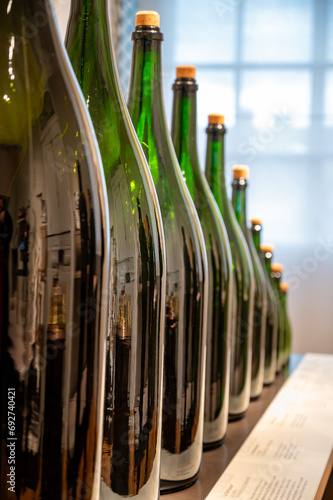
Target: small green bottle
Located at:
point(284, 287)
point(184, 135)
point(243, 276)
point(239, 189)
point(272, 315)
point(268, 257)
point(276, 275)
point(186, 266)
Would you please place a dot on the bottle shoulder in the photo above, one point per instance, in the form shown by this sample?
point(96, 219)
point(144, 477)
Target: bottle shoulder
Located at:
point(162, 161)
point(215, 233)
point(241, 257)
point(257, 268)
point(209, 212)
point(179, 215)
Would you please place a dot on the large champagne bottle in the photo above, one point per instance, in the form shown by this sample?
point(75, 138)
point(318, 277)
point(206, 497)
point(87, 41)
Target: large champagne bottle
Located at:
point(276, 275)
point(239, 185)
point(187, 279)
point(184, 135)
point(272, 315)
point(133, 396)
point(284, 287)
point(243, 296)
point(54, 246)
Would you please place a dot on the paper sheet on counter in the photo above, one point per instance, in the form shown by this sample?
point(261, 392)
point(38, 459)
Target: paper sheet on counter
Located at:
point(285, 456)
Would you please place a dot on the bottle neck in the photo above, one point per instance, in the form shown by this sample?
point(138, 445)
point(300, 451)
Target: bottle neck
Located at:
point(184, 121)
point(268, 261)
point(145, 88)
point(214, 170)
point(283, 296)
point(96, 8)
point(88, 34)
point(239, 201)
point(276, 277)
point(256, 236)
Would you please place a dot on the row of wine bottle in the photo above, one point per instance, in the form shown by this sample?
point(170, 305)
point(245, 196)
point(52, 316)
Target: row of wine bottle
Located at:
point(137, 311)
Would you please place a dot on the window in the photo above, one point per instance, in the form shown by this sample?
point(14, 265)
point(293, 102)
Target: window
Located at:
point(328, 102)
point(329, 31)
point(267, 65)
point(196, 28)
point(265, 94)
point(277, 31)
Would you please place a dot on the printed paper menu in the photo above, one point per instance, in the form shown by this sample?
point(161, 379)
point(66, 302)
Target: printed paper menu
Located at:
point(286, 454)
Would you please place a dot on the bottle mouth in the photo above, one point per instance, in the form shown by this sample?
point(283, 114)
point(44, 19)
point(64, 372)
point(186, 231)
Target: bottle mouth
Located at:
point(239, 183)
point(216, 128)
point(185, 84)
point(147, 32)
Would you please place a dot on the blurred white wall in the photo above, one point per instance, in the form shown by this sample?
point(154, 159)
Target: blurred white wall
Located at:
point(267, 65)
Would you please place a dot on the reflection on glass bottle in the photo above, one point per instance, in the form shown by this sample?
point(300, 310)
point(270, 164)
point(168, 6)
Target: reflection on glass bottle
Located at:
point(34, 413)
point(272, 317)
point(55, 347)
point(6, 232)
point(46, 141)
point(184, 135)
point(132, 414)
point(23, 240)
point(171, 423)
point(185, 332)
point(243, 277)
point(122, 429)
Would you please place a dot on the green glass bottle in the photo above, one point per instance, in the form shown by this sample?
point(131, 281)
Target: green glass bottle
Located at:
point(133, 392)
point(284, 287)
point(239, 189)
point(184, 136)
point(54, 267)
point(243, 277)
point(276, 275)
point(267, 251)
point(272, 315)
point(187, 275)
